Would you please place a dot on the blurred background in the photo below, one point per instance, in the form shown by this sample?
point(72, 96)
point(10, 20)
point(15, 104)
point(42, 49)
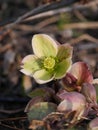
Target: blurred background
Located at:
point(68, 21)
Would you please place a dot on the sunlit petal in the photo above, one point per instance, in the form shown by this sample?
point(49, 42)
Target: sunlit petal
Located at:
point(26, 72)
point(43, 76)
point(44, 81)
point(30, 64)
point(44, 46)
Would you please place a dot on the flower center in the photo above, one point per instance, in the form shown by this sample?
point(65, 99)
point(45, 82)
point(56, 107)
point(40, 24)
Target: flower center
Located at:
point(49, 62)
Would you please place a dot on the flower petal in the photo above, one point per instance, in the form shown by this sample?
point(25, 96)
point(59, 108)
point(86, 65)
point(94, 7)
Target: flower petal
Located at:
point(69, 82)
point(30, 64)
point(44, 46)
point(26, 72)
point(89, 92)
point(93, 125)
point(72, 101)
point(62, 68)
point(64, 51)
point(43, 76)
point(81, 71)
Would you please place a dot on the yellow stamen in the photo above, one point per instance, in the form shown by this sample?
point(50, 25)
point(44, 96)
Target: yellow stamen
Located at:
point(49, 63)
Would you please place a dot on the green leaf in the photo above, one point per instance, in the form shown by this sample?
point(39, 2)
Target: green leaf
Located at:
point(37, 92)
point(40, 110)
point(41, 92)
point(32, 102)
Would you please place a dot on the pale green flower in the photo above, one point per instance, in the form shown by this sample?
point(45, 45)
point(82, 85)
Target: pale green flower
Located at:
point(50, 60)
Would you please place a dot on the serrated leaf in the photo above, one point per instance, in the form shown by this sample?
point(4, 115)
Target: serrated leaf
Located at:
point(40, 110)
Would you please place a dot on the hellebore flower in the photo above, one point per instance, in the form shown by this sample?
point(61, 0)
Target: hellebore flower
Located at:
point(50, 60)
point(72, 102)
point(93, 125)
point(77, 76)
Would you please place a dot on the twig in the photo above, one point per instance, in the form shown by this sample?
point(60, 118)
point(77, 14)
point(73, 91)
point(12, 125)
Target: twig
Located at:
point(83, 37)
point(79, 15)
point(51, 10)
point(3, 33)
point(58, 11)
point(54, 11)
point(89, 45)
point(47, 22)
point(6, 47)
point(11, 111)
point(40, 9)
point(83, 25)
point(13, 119)
point(50, 13)
point(38, 26)
point(13, 128)
point(14, 99)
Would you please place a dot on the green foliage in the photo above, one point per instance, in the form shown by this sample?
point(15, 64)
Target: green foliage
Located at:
point(64, 19)
point(40, 110)
point(41, 92)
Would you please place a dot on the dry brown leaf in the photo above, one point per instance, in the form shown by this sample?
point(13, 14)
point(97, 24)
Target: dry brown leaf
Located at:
point(35, 124)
